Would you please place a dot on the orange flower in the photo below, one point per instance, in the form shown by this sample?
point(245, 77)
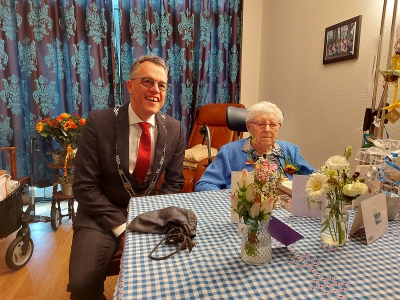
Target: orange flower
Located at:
point(290, 169)
point(39, 126)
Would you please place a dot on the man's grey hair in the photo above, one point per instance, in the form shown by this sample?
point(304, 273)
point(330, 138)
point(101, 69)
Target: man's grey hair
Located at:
point(151, 58)
point(266, 109)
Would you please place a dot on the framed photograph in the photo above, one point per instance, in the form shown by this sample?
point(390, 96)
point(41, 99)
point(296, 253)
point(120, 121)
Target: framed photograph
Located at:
point(342, 41)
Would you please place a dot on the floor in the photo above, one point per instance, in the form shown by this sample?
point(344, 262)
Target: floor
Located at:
point(46, 274)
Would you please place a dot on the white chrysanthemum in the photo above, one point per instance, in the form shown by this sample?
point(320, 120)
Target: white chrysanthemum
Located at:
point(317, 185)
point(355, 189)
point(337, 162)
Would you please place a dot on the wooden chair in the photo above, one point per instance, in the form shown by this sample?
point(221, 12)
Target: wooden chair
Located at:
point(13, 161)
point(113, 266)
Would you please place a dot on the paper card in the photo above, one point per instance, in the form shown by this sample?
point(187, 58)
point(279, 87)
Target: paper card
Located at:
point(235, 175)
point(300, 207)
point(283, 233)
point(279, 231)
point(392, 116)
point(372, 213)
point(371, 182)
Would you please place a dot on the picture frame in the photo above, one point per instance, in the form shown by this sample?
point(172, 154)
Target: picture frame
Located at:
point(342, 41)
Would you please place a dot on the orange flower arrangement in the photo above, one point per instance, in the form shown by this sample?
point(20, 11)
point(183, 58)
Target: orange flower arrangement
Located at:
point(64, 129)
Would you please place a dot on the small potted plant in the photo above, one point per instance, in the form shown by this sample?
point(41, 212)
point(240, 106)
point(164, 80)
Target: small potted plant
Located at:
point(56, 155)
point(66, 182)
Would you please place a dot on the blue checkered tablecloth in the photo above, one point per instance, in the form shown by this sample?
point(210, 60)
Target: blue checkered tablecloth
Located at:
point(307, 269)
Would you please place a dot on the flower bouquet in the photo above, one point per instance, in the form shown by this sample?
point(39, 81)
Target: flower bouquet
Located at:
point(65, 129)
point(333, 185)
point(254, 202)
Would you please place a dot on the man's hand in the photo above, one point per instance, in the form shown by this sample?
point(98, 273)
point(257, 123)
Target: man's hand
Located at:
point(121, 246)
point(122, 243)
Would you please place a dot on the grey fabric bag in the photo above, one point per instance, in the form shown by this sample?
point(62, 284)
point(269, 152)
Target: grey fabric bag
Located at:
point(178, 223)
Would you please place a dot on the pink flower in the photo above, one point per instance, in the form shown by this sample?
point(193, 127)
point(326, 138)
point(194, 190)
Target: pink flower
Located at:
point(250, 192)
point(234, 201)
point(267, 205)
point(255, 210)
point(269, 166)
point(244, 178)
point(255, 200)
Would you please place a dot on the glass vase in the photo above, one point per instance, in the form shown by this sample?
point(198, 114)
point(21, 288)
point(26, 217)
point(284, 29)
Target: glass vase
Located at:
point(256, 243)
point(334, 223)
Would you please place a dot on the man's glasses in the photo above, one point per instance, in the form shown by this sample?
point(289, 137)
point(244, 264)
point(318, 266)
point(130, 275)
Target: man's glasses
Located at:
point(261, 126)
point(148, 82)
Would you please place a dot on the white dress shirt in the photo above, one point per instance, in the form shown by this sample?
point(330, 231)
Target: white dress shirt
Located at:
point(134, 139)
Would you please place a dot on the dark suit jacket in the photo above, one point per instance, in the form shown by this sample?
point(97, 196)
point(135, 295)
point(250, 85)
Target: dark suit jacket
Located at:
point(98, 188)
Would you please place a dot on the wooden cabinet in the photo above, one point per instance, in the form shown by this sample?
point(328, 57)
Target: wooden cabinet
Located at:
point(56, 212)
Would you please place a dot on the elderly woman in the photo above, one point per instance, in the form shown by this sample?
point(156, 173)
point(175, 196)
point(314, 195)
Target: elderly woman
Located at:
point(263, 121)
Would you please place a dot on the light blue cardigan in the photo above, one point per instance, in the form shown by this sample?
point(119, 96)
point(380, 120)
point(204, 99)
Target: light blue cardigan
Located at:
point(230, 157)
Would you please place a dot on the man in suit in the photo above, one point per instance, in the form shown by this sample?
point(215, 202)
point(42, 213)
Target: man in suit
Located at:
point(108, 173)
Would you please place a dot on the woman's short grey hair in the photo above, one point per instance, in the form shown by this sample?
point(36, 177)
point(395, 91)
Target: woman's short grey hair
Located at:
point(266, 109)
point(150, 57)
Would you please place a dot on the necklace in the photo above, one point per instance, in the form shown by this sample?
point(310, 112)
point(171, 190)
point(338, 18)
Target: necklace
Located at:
point(125, 180)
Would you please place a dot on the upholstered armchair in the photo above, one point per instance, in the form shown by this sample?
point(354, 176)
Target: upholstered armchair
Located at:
point(214, 116)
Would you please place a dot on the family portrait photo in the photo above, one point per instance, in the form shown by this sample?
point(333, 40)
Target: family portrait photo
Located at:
point(342, 41)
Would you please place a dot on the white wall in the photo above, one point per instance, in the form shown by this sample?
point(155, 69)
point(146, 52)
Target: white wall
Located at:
point(251, 49)
point(324, 105)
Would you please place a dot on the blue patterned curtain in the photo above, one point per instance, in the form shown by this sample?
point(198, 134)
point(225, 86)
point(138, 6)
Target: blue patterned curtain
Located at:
point(199, 39)
point(67, 56)
point(55, 56)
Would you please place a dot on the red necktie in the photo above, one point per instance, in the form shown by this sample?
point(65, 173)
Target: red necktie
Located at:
point(144, 153)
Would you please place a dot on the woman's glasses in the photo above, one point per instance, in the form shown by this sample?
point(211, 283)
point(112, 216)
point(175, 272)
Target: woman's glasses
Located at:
point(262, 126)
point(148, 82)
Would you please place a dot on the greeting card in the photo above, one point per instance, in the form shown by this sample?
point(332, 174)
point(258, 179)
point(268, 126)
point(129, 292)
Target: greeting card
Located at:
point(300, 207)
point(372, 214)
